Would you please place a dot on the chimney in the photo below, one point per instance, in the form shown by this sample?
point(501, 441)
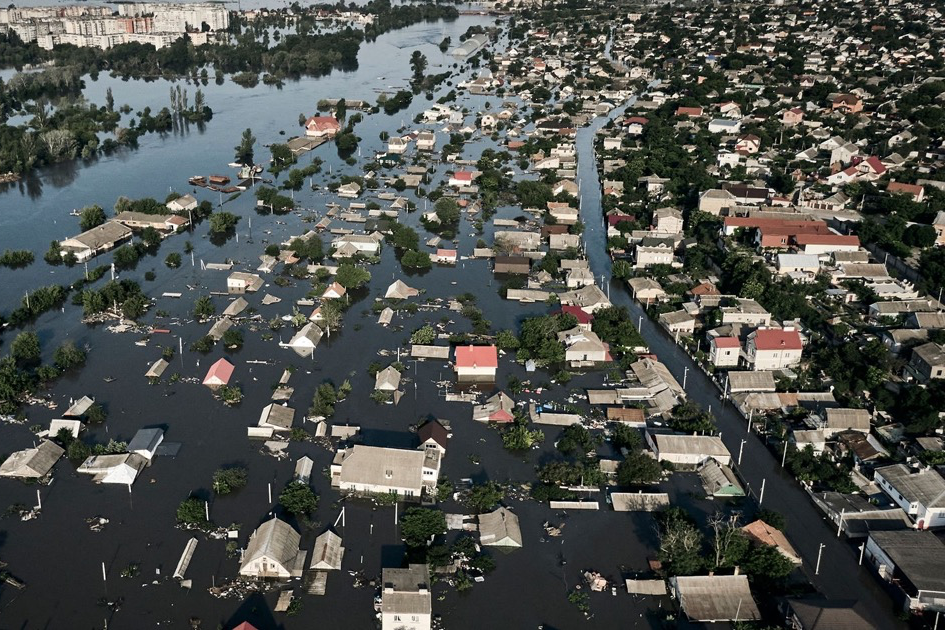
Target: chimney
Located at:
point(737, 570)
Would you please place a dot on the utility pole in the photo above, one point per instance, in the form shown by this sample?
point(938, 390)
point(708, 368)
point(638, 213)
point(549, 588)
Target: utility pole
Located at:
point(820, 551)
point(685, 377)
point(761, 497)
point(740, 449)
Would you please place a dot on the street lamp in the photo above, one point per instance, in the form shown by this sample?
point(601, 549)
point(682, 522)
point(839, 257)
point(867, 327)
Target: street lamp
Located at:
point(820, 551)
point(740, 449)
point(685, 377)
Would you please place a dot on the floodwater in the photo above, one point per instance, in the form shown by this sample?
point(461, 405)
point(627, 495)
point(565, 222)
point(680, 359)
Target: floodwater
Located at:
point(61, 560)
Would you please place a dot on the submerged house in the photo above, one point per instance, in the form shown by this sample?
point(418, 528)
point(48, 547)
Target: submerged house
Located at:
point(219, 374)
point(498, 408)
point(273, 552)
point(306, 340)
point(500, 529)
point(476, 363)
point(374, 469)
point(121, 468)
point(406, 601)
point(93, 242)
point(328, 552)
point(32, 463)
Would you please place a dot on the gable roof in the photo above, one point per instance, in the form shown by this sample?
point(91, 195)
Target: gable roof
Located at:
point(220, 372)
point(500, 528)
point(435, 431)
point(276, 540)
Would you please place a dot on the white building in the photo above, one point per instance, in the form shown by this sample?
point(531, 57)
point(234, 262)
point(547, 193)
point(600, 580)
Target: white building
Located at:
point(406, 602)
point(374, 469)
point(921, 494)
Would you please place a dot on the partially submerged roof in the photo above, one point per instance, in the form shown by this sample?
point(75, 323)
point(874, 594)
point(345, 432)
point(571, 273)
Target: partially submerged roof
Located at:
point(761, 532)
point(500, 528)
point(398, 290)
point(276, 540)
point(715, 597)
point(278, 417)
point(639, 501)
point(328, 552)
point(387, 379)
point(79, 408)
point(32, 463)
point(219, 373)
point(435, 431)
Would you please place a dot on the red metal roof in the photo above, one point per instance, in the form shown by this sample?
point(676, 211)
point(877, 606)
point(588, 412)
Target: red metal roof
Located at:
point(579, 315)
point(463, 176)
point(221, 371)
point(774, 339)
point(726, 342)
point(477, 356)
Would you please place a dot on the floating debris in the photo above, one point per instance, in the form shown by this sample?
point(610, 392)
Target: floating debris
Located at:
point(97, 523)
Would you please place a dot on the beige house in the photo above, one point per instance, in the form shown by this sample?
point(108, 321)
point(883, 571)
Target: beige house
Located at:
point(583, 346)
point(375, 469)
point(667, 221)
point(654, 251)
point(747, 312)
point(273, 552)
point(93, 242)
point(426, 141)
point(500, 529)
point(715, 200)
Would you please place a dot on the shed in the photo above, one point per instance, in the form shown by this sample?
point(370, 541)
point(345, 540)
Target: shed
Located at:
point(639, 501)
point(303, 469)
point(739, 381)
point(418, 351)
point(646, 587)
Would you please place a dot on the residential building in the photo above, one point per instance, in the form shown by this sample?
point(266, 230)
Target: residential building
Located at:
point(724, 351)
point(928, 362)
point(583, 346)
point(406, 602)
point(912, 562)
point(121, 468)
point(500, 528)
point(433, 435)
point(377, 470)
point(387, 380)
point(713, 598)
point(32, 463)
point(476, 363)
point(654, 251)
point(93, 242)
point(304, 342)
point(920, 494)
point(498, 408)
point(817, 613)
point(688, 450)
point(667, 221)
point(426, 141)
point(219, 374)
point(747, 312)
point(273, 552)
point(773, 349)
point(714, 201)
point(242, 282)
point(322, 127)
point(764, 534)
